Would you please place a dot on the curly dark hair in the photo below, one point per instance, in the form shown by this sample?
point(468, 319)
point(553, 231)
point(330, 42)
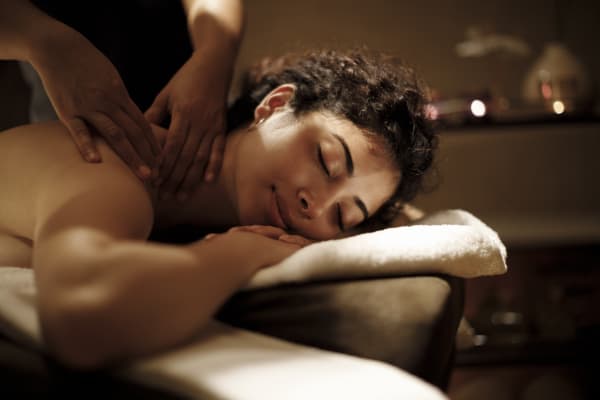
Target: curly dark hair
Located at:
point(374, 91)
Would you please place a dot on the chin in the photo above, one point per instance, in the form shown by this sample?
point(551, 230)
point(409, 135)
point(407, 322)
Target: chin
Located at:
point(251, 212)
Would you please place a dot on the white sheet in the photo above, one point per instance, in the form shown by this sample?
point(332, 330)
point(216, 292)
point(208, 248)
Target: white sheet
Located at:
point(230, 363)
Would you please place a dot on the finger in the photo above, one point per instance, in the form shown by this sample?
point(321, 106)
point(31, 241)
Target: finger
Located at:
point(272, 232)
point(216, 158)
point(240, 228)
point(116, 139)
point(132, 110)
point(136, 137)
point(160, 134)
point(295, 239)
point(159, 110)
point(82, 137)
point(176, 138)
point(195, 172)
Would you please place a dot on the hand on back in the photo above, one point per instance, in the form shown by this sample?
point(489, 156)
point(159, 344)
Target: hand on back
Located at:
point(90, 98)
point(195, 101)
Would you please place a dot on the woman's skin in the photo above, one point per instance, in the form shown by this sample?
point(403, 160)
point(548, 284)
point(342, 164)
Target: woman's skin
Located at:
point(104, 293)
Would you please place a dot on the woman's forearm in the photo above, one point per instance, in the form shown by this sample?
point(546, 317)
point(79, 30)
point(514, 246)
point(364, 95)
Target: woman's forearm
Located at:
point(110, 300)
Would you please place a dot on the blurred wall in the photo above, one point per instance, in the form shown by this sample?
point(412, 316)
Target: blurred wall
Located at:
point(425, 34)
point(534, 184)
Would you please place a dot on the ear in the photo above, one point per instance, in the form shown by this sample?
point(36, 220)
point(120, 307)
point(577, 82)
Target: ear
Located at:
point(277, 99)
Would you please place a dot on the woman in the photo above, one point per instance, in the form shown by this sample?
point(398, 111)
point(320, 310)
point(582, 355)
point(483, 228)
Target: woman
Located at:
point(318, 144)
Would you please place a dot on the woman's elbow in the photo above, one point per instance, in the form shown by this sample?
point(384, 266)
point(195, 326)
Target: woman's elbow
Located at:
point(72, 330)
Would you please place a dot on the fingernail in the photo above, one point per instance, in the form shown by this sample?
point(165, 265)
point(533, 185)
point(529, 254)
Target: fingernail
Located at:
point(92, 157)
point(145, 171)
point(209, 177)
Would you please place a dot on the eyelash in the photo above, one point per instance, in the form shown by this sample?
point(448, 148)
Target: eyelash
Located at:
point(340, 219)
point(339, 208)
point(322, 161)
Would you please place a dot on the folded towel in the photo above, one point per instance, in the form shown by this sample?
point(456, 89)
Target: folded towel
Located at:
point(230, 363)
point(452, 242)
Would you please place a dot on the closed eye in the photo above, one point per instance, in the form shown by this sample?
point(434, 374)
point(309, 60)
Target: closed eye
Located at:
point(322, 161)
point(340, 219)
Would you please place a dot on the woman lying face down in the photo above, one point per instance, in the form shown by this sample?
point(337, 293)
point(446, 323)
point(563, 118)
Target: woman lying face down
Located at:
point(318, 144)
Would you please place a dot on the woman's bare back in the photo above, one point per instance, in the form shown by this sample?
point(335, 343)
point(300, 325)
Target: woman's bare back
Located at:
point(34, 158)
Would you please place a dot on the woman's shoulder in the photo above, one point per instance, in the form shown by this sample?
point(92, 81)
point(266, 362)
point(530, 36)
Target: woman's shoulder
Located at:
point(39, 141)
point(45, 156)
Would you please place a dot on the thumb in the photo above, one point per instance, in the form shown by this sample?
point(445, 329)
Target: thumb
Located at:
point(158, 111)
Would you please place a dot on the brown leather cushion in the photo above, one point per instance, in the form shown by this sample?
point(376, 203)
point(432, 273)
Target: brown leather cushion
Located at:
point(409, 322)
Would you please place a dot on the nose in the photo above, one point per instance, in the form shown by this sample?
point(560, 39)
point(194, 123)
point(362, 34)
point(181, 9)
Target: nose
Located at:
point(310, 207)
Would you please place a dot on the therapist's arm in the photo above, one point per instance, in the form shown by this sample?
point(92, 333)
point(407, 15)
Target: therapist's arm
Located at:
point(196, 97)
point(84, 87)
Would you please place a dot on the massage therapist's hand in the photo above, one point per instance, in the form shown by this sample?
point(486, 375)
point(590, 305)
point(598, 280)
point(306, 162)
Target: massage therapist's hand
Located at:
point(195, 99)
point(90, 97)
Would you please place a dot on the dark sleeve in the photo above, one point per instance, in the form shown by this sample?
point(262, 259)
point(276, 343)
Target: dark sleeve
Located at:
point(147, 41)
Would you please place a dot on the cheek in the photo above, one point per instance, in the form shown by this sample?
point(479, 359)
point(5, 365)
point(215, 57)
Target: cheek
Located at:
point(296, 167)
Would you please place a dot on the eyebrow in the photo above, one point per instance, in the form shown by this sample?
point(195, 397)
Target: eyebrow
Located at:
point(350, 168)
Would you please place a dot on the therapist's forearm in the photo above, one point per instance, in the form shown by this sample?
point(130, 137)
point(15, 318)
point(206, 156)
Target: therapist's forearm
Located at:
point(215, 22)
point(28, 34)
point(22, 26)
point(216, 28)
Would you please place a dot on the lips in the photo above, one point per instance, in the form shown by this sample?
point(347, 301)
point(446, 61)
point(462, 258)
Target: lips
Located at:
point(276, 211)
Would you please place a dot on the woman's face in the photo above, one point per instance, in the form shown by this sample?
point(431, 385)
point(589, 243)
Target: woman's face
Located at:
point(317, 175)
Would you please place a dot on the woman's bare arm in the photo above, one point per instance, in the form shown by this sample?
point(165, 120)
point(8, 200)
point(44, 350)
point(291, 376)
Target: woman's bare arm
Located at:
point(106, 295)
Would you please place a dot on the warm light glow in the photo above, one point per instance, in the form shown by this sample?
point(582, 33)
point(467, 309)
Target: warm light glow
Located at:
point(558, 107)
point(478, 108)
point(432, 112)
point(546, 90)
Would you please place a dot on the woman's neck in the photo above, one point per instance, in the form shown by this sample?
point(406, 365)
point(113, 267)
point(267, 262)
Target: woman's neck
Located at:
point(214, 204)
